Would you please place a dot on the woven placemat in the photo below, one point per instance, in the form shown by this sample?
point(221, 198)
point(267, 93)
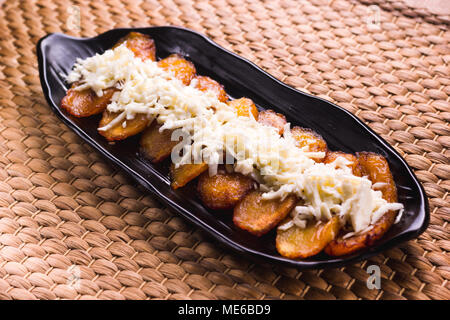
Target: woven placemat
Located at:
point(71, 226)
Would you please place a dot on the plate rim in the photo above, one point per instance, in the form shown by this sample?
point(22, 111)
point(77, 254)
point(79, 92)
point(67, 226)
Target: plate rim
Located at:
point(225, 241)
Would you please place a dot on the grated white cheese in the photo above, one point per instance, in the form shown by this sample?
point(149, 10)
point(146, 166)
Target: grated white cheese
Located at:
point(379, 185)
point(257, 150)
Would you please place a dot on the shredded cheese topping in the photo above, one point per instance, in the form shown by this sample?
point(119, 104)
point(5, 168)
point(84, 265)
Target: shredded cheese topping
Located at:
point(257, 150)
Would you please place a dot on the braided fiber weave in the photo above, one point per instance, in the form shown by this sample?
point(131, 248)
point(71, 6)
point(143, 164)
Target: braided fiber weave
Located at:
point(73, 227)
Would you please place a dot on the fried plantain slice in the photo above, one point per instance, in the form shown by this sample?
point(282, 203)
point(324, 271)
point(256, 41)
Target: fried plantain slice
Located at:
point(354, 163)
point(377, 169)
point(156, 145)
point(141, 44)
point(295, 243)
point(259, 216)
point(273, 119)
point(183, 69)
point(119, 131)
point(85, 103)
point(223, 190)
point(311, 140)
point(185, 173)
point(207, 84)
point(244, 106)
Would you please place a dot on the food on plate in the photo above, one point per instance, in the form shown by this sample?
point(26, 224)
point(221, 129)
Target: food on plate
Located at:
point(258, 215)
point(140, 44)
point(183, 69)
point(376, 168)
point(223, 190)
point(305, 242)
point(206, 84)
point(273, 119)
point(185, 173)
point(112, 125)
point(85, 103)
point(157, 145)
point(244, 107)
point(309, 141)
point(353, 161)
point(81, 101)
point(249, 163)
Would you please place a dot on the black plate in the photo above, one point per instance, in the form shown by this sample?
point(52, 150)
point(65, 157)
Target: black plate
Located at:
point(341, 130)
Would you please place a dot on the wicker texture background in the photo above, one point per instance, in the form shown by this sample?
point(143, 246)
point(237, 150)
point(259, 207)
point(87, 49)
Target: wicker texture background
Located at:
point(73, 227)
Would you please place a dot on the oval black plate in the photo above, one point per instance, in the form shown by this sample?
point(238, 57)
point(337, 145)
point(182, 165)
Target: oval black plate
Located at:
point(343, 131)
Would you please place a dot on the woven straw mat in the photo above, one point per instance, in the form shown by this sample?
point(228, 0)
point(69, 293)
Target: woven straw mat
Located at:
point(73, 227)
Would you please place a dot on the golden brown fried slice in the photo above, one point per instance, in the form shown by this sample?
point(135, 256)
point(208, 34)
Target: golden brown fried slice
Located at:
point(207, 84)
point(156, 145)
point(295, 243)
point(310, 139)
point(259, 216)
point(244, 106)
point(185, 173)
point(119, 131)
point(86, 103)
point(223, 190)
point(273, 119)
point(184, 70)
point(141, 44)
point(354, 165)
point(377, 169)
